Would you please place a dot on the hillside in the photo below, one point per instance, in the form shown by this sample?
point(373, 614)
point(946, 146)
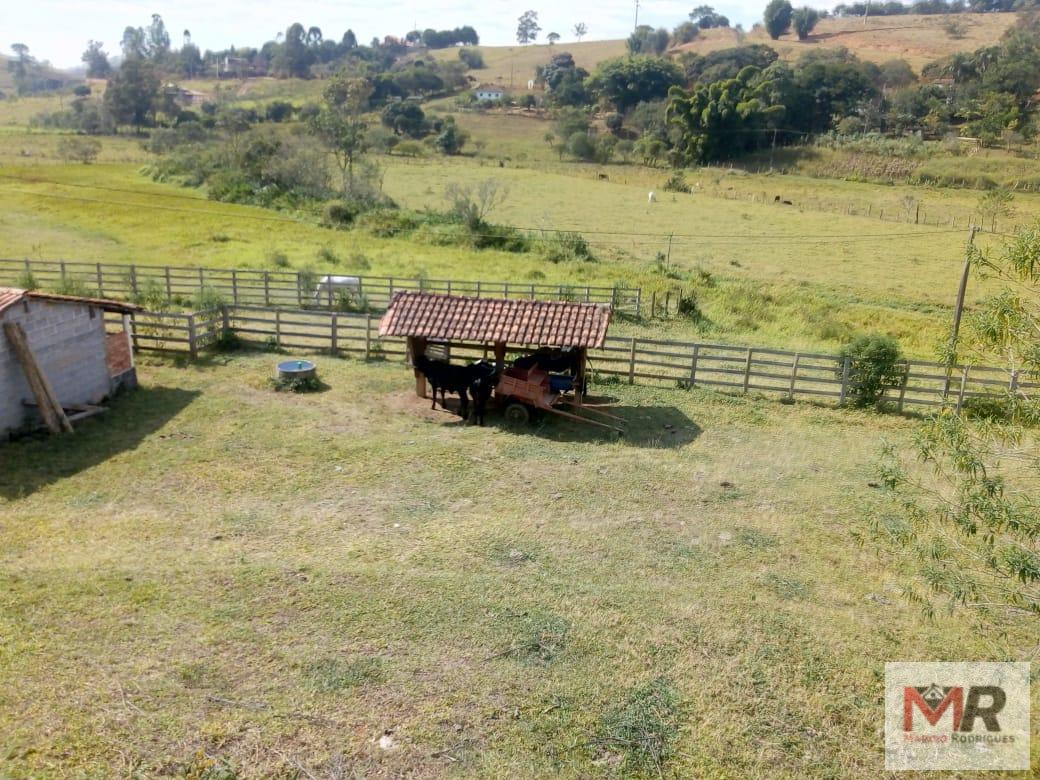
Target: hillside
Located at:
point(916, 39)
point(512, 66)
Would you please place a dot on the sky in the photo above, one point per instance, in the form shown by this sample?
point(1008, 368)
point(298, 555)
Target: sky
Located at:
point(58, 30)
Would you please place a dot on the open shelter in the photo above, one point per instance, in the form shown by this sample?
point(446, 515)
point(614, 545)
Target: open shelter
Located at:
point(425, 319)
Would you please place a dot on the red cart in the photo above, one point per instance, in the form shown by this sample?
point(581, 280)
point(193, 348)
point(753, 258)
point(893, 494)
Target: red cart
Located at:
point(523, 391)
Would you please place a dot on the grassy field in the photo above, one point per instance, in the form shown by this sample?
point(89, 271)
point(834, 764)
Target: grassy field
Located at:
point(217, 575)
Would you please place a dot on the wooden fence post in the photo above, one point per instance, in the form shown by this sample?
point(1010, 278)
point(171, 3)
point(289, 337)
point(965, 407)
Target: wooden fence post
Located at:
point(653, 304)
point(964, 383)
point(234, 286)
point(169, 285)
point(278, 328)
point(747, 370)
point(902, 386)
point(368, 335)
point(334, 350)
point(100, 282)
point(639, 301)
point(632, 362)
point(693, 364)
point(1013, 384)
point(267, 288)
point(299, 289)
point(794, 375)
point(193, 347)
point(845, 379)
point(133, 279)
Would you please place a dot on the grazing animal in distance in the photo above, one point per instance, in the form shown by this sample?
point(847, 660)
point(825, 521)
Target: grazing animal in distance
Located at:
point(776, 199)
point(651, 197)
point(329, 287)
point(603, 177)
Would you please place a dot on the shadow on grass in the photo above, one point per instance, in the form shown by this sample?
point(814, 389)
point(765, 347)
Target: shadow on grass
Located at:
point(655, 427)
point(37, 460)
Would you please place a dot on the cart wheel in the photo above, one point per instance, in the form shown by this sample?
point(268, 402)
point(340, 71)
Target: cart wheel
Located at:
point(517, 414)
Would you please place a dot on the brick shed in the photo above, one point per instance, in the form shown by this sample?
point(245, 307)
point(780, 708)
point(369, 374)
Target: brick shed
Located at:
point(67, 338)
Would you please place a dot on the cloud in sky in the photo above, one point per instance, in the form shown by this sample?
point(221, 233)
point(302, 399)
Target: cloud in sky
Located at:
point(58, 30)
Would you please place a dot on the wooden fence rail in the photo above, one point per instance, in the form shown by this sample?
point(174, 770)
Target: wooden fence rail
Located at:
point(295, 289)
point(783, 373)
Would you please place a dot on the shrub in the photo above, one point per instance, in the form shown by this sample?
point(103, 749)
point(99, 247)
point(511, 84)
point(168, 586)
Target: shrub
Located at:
point(78, 149)
point(72, 285)
point(580, 145)
point(340, 213)
point(327, 254)
point(676, 183)
point(473, 58)
point(874, 367)
point(563, 246)
point(27, 281)
point(278, 258)
point(207, 298)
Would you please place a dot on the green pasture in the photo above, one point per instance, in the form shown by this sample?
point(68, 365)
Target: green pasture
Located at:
point(213, 576)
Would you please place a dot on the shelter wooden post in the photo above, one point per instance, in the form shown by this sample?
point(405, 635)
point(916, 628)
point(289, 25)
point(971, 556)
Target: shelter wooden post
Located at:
point(417, 346)
point(500, 356)
point(583, 358)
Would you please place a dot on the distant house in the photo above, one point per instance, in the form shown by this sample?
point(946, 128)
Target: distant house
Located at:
point(488, 92)
point(68, 342)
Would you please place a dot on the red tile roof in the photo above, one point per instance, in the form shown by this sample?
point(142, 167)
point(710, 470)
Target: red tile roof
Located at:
point(459, 318)
point(9, 296)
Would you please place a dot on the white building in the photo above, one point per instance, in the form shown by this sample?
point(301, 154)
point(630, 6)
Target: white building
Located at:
point(489, 92)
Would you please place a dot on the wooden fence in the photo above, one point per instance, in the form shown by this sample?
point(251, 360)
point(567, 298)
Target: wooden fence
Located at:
point(805, 375)
point(295, 289)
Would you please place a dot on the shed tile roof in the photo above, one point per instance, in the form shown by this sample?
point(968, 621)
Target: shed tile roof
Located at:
point(9, 296)
point(462, 318)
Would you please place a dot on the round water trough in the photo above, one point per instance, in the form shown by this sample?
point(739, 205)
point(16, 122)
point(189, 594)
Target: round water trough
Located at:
point(297, 369)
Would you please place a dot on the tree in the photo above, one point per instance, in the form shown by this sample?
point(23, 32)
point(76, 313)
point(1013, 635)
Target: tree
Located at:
point(451, 138)
point(340, 124)
point(625, 81)
point(647, 40)
point(966, 515)
point(134, 43)
point(132, 93)
point(552, 38)
point(405, 118)
point(189, 61)
point(580, 30)
point(157, 40)
point(294, 57)
point(725, 118)
point(777, 17)
point(705, 17)
point(22, 68)
point(527, 28)
point(98, 66)
point(804, 20)
point(685, 32)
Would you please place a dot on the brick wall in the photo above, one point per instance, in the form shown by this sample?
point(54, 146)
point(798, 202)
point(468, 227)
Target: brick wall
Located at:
point(68, 340)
